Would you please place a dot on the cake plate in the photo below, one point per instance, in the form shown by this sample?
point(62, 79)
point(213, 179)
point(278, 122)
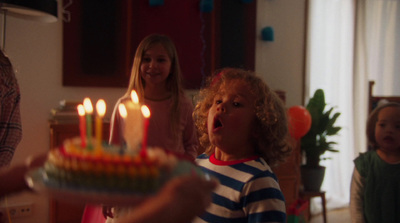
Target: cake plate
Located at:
point(38, 181)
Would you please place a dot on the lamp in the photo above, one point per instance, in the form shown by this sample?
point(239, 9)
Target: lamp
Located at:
point(38, 10)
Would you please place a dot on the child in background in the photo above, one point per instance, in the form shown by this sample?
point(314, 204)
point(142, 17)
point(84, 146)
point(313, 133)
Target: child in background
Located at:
point(156, 77)
point(375, 186)
point(242, 126)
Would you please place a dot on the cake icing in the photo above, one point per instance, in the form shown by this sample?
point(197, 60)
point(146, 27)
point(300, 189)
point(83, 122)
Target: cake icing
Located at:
point(88, 164)
point(112, 169)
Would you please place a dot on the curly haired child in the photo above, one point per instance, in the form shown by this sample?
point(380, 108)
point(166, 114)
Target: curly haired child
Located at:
point(242, 126)
point(375, 186)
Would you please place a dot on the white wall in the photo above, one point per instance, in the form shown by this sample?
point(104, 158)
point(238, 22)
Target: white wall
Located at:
point(282, 62)
point(35, 50)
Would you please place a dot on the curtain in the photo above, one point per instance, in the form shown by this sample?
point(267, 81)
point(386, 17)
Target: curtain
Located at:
point(377, 56)
point(379, 35)
point(349, 43)
point(329, 66)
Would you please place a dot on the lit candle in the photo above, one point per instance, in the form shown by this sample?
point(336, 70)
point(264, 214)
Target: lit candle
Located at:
point(133, 124)
point(146, 114)
point(123, 113)
point(82, 124)
point(101, 110)
point(87, 104)
point(134, 97)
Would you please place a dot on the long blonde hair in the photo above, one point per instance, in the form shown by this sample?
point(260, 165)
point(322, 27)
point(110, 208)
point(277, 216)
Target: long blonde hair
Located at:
point(173, 82)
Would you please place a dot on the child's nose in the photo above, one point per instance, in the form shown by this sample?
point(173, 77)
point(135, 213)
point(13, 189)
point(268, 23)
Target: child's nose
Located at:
point(221, 107)
point(152, 64)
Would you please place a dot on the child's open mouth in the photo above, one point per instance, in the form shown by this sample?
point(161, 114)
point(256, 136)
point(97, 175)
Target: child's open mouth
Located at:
point(217, 123)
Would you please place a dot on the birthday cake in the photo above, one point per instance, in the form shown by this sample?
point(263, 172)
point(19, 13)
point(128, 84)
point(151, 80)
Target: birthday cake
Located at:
point(112, 170)
point(86, 163)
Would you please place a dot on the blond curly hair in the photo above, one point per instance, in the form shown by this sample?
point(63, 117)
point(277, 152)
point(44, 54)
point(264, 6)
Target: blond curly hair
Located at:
point(272, 140)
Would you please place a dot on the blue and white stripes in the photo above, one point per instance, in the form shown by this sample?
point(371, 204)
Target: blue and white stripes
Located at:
point(248, 192)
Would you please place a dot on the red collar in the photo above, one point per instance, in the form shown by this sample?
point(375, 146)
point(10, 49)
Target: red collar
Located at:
point(213, 160)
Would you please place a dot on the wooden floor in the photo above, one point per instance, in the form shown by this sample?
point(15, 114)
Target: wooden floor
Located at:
point(334, 216)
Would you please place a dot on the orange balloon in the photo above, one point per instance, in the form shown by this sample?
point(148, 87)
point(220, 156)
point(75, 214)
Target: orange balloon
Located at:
point(299, 121)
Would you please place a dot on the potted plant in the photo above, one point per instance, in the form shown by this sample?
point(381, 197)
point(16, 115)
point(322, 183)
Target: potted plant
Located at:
point(315, 143)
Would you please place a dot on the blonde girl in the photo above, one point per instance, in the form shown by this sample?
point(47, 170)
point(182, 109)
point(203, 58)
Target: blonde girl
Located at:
point(156, 77)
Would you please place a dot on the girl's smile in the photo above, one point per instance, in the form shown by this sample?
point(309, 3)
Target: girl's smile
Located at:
point(156, 65)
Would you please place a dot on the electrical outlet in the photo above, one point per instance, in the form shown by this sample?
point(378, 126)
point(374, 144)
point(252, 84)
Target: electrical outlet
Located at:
point(17, 210)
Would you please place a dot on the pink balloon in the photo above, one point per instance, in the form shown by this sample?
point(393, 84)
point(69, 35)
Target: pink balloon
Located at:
point(299, 121)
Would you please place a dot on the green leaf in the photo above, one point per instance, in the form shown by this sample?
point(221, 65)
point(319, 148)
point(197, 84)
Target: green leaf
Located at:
point(315, 143)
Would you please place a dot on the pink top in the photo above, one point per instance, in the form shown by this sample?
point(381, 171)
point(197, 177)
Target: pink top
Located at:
point(159, 133)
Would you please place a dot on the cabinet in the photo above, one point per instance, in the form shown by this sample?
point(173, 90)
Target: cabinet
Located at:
point(60, 211)
point(288, 173)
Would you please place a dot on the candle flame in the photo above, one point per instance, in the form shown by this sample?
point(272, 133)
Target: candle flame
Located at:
point(88, 106)
point(122, 110)
point(101, 107)
point(145, 111)
point(134, 97)
point(81, 110)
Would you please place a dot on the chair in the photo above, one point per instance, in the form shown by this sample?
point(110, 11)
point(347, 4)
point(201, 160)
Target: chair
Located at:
point(307, 195)
point(374, 100)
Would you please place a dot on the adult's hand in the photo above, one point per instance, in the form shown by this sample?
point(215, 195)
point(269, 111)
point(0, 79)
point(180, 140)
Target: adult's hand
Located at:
point(180, 200)
point(15, 175)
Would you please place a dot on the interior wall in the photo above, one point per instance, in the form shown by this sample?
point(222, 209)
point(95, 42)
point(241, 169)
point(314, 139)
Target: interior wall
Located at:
point(35, 50)
point(281, 62)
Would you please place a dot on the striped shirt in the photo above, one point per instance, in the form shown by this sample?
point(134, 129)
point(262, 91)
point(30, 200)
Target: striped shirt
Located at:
point(248, 192)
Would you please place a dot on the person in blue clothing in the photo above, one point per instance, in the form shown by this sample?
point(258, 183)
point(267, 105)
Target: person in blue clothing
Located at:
point(375, 186)
point(243, 129)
